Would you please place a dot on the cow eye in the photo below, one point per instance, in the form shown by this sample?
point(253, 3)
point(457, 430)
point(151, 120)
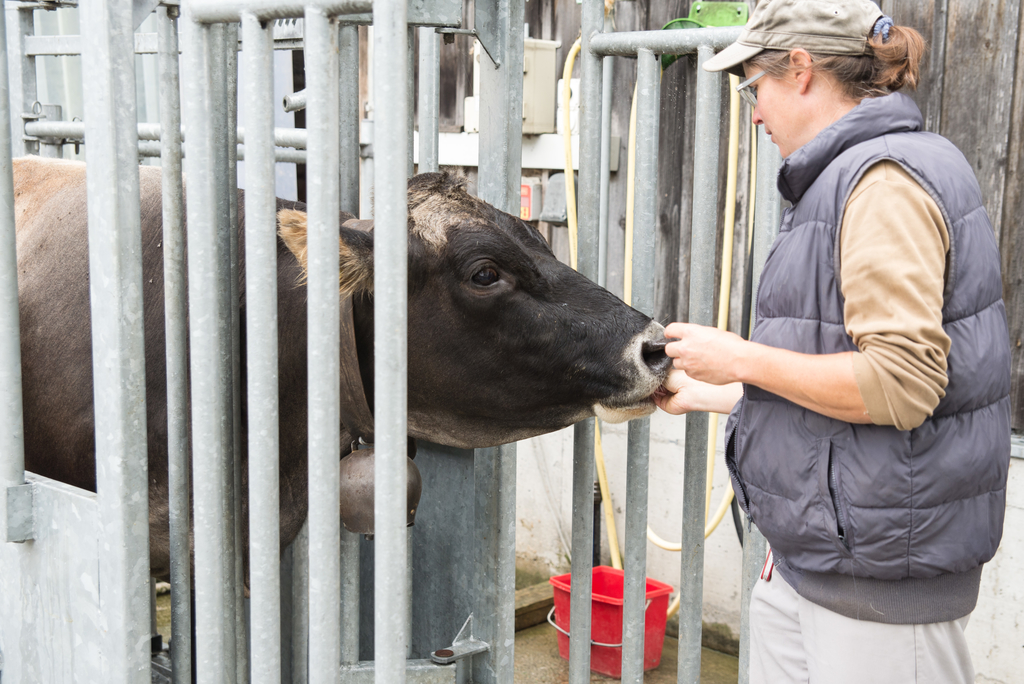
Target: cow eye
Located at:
point(485, 276)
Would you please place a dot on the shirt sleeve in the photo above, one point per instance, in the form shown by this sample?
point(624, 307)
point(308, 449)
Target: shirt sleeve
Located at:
point(893, 246)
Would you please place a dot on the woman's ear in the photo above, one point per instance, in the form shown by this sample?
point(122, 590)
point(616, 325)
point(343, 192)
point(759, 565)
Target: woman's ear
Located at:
point(800, 67)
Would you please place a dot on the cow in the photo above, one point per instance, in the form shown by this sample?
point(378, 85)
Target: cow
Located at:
point(505, 342)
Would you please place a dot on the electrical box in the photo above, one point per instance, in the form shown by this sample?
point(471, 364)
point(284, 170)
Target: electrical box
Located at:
point(538, 88)
point(529, 199)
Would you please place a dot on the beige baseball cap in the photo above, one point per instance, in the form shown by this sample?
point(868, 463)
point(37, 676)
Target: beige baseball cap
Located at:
point(831, 27)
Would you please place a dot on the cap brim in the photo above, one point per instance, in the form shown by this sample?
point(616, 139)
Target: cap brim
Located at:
point(731, 59)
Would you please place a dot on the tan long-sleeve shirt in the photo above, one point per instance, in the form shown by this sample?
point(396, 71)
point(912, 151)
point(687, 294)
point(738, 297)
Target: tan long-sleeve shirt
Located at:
point(892, 251)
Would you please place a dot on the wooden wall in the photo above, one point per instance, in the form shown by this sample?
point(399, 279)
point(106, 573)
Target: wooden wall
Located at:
point(971, 91)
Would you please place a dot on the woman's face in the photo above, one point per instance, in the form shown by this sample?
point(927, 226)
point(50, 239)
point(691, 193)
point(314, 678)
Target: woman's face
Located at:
point(797, 106)
point(779, 110)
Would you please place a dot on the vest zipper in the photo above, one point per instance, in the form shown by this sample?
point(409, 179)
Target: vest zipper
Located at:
point(833, 490)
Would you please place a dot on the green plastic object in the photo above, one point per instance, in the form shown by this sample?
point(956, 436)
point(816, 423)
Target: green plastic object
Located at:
point(705, 14)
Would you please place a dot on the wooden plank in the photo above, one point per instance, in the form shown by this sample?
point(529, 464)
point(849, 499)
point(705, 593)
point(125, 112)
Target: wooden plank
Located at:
point(981, 49)
point(533, 604)
point(456, 76)
point(1012, 239)
point(929, 18)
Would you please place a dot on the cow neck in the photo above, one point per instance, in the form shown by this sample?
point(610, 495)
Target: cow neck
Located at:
point(354, 409)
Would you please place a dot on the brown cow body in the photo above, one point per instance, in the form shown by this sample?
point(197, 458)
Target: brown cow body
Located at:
point(505, 342)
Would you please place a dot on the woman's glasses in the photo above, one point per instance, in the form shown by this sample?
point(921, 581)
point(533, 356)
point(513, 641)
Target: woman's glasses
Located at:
point(748, 90)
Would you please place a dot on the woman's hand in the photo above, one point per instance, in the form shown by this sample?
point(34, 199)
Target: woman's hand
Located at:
point(681, 394)
point(706, 354)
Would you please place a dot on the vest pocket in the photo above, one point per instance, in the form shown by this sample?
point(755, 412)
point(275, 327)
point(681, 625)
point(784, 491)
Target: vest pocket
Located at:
point(833, 491)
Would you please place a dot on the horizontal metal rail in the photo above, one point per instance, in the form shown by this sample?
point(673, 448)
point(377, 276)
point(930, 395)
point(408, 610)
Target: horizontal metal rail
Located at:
point(75, 131)
point(224, 11)
point(678, 42)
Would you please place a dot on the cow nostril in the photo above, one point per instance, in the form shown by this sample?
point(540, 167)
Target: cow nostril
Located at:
point(655, 357)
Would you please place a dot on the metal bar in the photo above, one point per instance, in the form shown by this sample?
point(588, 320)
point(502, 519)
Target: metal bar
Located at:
point(75, 130)
point(628, 43)
point(222, 11)
point(350, 598)
point(176, 344)
point(702, 275)
point(209, 334)
point(410, 124)
point(501, 139)
point(119, 377)
point(230, 180)
point(767, 211)
point(583, 434)
point(226, 274)
point(348, 48)
point(12, 431)
point(606, 135)
point(494, 477)
point(261, 355)
point(321, 34)
point(429, 94)
point(349, 202)
point(390, 281)
point(638, 446)
point(22, 91)
point(69, 46)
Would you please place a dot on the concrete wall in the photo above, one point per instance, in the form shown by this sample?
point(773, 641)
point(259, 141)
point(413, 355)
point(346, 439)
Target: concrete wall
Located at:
point(543, 536)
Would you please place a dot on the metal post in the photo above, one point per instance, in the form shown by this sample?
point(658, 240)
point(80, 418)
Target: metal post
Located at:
point(321, 34)
point(390, 280)
point(230, 180)
point(606, 145)
point(22, 92)
point(501, 140)
point(226, 269)
point(638, 448)
point(583, 434)
point(410, 74)
point(348, 124)
point(119, 378)
point(766, 218)
point(176, 343)
point(12, 435)
point(209, 336)
point(702, 274)
point(349, 597)
point(261, 339)
point(429, 92)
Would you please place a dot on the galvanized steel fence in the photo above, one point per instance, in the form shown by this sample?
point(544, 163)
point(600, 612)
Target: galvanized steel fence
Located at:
point(210, 343)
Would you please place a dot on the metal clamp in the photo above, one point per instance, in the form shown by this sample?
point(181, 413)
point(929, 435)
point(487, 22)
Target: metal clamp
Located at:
point(464, 646)
point(551, 622)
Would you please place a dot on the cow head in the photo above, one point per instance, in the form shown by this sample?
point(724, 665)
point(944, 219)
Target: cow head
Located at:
point(505, 341)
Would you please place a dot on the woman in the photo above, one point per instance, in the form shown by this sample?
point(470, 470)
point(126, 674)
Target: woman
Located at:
point(869, 430)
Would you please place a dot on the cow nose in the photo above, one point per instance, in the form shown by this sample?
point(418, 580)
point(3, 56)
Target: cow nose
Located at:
point(655, 357)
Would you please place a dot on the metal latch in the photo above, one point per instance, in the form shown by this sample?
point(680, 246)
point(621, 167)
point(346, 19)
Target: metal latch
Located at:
point(464, 646)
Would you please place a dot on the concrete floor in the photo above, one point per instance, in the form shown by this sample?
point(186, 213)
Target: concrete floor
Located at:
point(538, 662)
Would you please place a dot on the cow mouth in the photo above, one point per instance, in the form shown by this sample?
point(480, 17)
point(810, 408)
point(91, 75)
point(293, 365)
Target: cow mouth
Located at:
point(624, 412)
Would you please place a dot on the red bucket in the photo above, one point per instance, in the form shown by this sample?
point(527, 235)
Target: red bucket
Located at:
point(606, 620)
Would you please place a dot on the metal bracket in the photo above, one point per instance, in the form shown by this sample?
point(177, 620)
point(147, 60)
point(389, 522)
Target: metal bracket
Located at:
point(20, 513)
point(464, 646)
point(492, 52)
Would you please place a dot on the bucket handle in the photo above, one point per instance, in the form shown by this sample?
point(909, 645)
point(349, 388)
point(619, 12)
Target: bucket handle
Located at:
point(551, 621)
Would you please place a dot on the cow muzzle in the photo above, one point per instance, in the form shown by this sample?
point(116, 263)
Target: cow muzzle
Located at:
point(646, 367)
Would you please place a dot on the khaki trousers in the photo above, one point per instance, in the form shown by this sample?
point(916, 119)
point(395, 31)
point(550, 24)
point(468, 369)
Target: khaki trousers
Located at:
point(793, 640)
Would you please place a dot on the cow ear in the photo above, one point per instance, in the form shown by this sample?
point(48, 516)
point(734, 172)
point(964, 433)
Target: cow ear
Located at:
point(355, 255)
point(355, 251)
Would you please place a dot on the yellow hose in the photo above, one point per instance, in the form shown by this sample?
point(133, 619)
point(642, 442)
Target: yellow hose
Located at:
point(570, 181)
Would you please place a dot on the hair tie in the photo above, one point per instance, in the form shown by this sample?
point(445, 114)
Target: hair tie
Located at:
point(882, 26)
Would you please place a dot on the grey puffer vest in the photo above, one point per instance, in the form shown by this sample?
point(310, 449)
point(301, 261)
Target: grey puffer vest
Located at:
point(867, 520)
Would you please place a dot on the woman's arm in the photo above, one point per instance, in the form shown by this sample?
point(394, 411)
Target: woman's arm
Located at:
point(823, 383)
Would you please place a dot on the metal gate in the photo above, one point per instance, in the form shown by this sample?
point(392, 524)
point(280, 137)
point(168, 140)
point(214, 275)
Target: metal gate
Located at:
point(294, 629)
